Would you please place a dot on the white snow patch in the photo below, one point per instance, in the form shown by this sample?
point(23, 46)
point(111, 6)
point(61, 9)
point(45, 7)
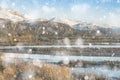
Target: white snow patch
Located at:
point(12, 15)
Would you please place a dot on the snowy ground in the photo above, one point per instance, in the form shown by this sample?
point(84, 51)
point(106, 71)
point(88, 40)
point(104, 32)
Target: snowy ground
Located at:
point(62, 46)
point(56, 58)
point(103, 69)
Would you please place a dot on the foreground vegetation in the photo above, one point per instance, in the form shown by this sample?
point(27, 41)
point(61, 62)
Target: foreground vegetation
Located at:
point(12, 69)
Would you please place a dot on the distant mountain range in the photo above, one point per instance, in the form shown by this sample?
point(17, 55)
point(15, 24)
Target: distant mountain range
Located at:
point(16, 27)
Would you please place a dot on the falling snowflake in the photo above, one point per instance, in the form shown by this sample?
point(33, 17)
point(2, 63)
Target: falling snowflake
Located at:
point(66, 61)
point(43, 32)
point(13, 4)
point(86, 77)
point(29, 50)
point(15, 39)
point(90, 44)
point(30, 76)
point(9, 34)
point(43, 28)
point(98, 32)
point(56, 33)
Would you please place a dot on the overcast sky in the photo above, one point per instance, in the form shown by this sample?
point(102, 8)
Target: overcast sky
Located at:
point(95, 11)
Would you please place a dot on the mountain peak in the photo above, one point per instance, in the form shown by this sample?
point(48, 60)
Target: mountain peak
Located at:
point(64, 20)
point(11, 15)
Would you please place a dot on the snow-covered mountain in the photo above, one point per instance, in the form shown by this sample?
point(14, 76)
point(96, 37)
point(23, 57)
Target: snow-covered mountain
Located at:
point(79, 24)
point(64, 20)
point(11, 15)
point(16, 16)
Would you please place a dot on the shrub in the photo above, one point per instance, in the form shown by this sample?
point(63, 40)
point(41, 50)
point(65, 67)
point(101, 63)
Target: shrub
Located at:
point(29, 71)
point(53, 72)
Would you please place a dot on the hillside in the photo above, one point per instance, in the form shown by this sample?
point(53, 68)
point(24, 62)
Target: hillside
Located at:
point(51, 32)
point(11, 15)
point(38, 32)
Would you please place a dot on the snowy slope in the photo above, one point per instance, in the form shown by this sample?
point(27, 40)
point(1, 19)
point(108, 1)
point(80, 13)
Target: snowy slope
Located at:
point(15, 16)
point(11, 15)
point(64, 20)
point(80, 24)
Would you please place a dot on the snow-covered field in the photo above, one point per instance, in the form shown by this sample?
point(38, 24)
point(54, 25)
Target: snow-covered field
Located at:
point(102, 69)
point(56, 58)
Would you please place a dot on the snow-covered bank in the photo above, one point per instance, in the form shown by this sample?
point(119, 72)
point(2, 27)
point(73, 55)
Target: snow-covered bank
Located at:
point(56, 58)
point(61, 46)
point(99, 69)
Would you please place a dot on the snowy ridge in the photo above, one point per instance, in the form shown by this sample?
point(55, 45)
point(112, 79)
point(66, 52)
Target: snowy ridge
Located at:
point(66, 21)
point(16, 16)
point(11, 15)
point(74, 23)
